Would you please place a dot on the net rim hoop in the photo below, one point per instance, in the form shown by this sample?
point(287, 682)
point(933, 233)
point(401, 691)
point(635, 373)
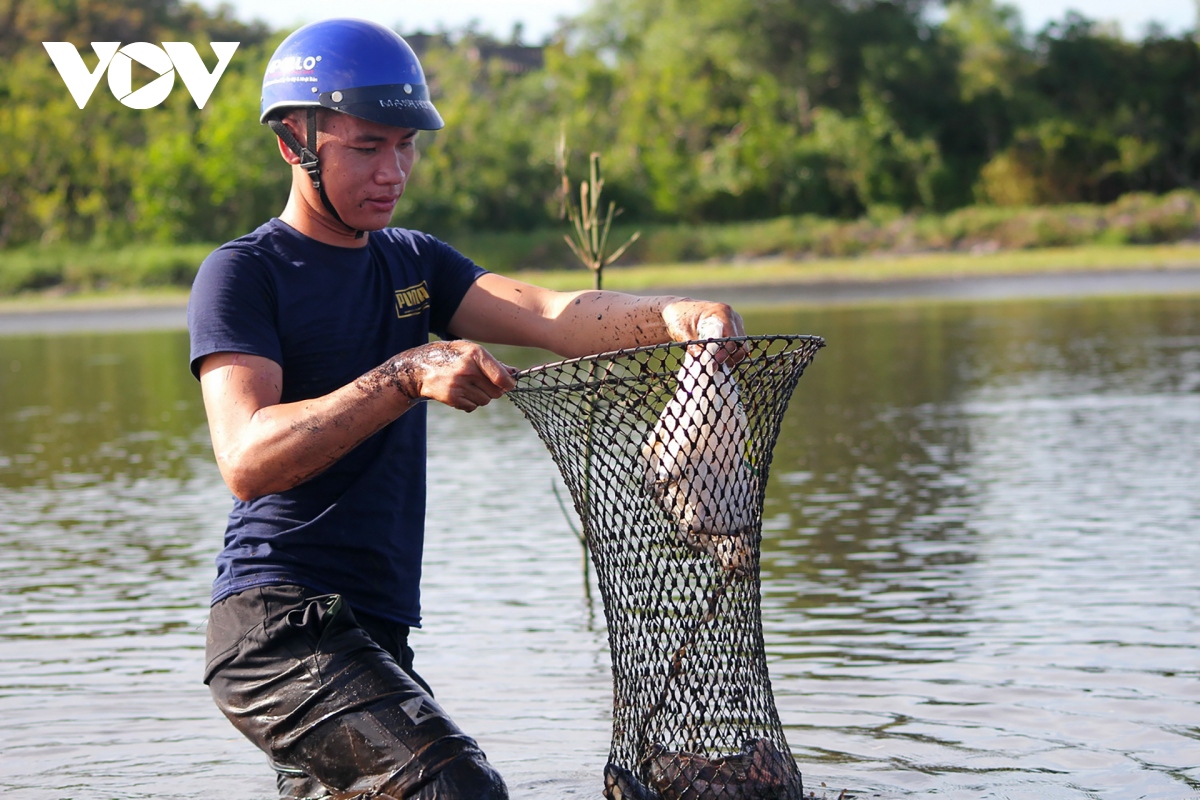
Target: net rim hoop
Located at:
point(610, 355)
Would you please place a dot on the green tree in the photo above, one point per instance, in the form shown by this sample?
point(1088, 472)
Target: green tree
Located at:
point(1100, 116)
point(703, 110)
point(80, 174)
point(215, 174)
point(493, 166)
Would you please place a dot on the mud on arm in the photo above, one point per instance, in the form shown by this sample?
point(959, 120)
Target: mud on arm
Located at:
point(264, 446)
point(505, 311)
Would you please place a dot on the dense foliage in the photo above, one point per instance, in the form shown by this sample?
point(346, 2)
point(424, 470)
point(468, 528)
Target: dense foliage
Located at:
point(705, 110)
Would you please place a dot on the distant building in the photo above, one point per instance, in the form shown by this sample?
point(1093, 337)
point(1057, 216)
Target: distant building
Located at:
point(511, 59)
point(514, 59)
point(422, 43)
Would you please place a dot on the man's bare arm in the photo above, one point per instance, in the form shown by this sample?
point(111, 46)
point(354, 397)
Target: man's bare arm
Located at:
point(264, 446)
point(505, 311)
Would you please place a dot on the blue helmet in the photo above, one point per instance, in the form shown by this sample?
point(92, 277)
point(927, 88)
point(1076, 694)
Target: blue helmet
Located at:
point(353, 66)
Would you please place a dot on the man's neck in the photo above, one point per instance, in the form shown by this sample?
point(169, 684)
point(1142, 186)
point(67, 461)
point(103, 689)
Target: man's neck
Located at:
point(316, 223)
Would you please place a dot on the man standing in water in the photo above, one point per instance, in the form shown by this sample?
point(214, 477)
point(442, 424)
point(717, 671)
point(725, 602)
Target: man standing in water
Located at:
point(310, 337)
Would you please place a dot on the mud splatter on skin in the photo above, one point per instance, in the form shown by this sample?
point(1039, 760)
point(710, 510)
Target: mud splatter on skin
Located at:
point(398, 373)
point(330, 457)
point(304, 476)
point(313, 427)
point(403, 371)
point(628, 320)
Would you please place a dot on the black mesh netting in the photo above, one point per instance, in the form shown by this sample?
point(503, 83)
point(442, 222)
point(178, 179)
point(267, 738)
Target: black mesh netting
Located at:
point(666, 450)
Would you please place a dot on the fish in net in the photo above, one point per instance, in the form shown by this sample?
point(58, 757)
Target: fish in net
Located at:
point(666, 450)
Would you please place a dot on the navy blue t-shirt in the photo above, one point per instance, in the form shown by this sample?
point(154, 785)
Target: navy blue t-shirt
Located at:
point(327, 315)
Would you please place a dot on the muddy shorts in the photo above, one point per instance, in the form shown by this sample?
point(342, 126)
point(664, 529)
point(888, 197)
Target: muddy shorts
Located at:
point(332, 699)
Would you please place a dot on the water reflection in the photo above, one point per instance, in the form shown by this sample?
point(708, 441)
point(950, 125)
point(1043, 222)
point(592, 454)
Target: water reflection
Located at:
point(980, 565)
point(983, 581)
point(108, 519)
point(96, 408)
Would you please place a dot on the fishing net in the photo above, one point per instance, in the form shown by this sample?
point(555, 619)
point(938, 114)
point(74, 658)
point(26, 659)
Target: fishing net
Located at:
point(665, 450)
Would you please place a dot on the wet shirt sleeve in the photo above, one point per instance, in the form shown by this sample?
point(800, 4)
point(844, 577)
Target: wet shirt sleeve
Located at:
point(231, 307)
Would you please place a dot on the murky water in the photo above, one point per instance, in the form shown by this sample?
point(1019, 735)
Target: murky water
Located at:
point(981, 566)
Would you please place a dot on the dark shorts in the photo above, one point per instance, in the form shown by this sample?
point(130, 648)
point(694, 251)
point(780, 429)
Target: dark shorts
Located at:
point(333, 701)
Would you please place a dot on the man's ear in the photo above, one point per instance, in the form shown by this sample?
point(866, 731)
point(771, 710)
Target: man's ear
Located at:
point(286, 152)
point(292, 124)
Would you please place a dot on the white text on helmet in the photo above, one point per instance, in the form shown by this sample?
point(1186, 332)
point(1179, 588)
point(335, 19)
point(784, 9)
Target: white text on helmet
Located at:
point(292, 64)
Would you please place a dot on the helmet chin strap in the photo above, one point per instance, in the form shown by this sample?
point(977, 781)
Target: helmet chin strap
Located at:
point(308, 161)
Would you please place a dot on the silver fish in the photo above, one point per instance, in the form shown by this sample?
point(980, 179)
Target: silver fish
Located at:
point(696, 466)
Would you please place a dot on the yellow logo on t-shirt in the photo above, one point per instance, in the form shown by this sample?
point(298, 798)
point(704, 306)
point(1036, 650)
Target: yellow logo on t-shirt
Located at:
point(412, 301)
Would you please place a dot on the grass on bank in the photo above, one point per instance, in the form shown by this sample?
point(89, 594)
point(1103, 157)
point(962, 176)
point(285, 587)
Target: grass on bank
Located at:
point(86, 269)
point(1135, 219)
point(1137, 231)
point(769, 272)
point(766, 272)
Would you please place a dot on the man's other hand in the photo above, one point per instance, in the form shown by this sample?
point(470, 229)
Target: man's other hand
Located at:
point(459, 374)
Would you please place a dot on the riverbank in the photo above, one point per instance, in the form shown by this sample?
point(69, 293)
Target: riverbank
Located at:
point(1064, 236)
point(1134, 219)
point(871, 273)
point(1057, 272)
